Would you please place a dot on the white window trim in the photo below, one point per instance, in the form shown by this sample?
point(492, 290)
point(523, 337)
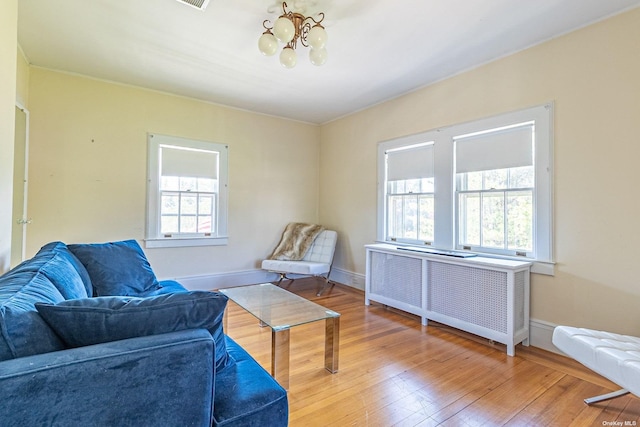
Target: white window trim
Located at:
point(153, 237)
point(444, 171)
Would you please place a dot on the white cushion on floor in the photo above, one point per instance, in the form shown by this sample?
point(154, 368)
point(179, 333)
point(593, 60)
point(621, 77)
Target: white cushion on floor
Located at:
point(614, 356)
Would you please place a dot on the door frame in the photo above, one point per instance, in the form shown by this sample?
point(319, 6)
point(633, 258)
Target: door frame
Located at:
point(24, 219)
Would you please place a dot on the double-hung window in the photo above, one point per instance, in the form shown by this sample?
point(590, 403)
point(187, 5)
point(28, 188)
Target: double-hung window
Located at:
point(483, 187)
point(495, 190)
point(410, 191)
point(187, 192)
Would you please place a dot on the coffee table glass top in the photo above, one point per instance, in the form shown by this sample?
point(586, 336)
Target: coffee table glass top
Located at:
point(276, 307)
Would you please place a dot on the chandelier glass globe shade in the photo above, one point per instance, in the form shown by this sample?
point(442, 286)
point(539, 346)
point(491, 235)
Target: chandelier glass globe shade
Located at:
point(317, 37)
point(268, 44)
point(318, 56)
point(284, 30)
point(288, 57)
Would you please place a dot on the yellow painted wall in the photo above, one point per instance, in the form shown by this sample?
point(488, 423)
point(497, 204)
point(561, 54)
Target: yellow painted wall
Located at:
point(593, 76)
point(8, 43)
point(88, 169)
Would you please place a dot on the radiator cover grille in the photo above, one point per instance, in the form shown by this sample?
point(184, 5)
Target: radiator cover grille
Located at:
point(396, 277)
point(469, 294)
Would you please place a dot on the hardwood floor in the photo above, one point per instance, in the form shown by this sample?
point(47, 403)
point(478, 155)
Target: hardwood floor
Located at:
point(395, 372)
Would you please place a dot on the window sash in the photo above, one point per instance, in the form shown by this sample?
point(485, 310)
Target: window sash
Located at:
point(195, 214)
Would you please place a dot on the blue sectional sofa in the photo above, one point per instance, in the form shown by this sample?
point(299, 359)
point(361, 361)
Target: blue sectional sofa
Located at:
point(89, 336)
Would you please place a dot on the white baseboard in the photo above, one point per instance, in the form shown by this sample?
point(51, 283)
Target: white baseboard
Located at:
point(540, 331)
point(540, 334)
point(247, 277)
point(348, 278)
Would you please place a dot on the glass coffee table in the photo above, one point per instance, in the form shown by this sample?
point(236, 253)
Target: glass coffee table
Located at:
point(282, 310)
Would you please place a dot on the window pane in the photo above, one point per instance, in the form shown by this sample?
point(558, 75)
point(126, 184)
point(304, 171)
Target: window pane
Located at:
point(470, 181)
point(521, 177)
point(493, 220)
point(204, 224)
point(188, 224)
point(410, 228)
point(413, 186)
point(495, 179)
point(428, 185)
point(206, 185)
point(188, 204)
point(397, 187)
point(168, 224)
point(169, 183)
point(469, 220)
point(426, 218)
point(169, 204)
point(188, 184)
point(394, 216)
point(520, 220)
point(205, 204)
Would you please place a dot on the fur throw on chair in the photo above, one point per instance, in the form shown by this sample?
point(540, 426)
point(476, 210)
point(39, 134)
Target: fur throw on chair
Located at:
point(296, 240)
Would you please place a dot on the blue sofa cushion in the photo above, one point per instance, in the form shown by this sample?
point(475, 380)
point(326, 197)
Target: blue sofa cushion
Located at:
point(116, 268)
point(23, 332)
point(164, 287)
point(246, 395)
point(61, 249)
point(88, 321)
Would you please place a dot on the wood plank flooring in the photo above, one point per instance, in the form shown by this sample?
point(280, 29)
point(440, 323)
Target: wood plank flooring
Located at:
point(395, 372)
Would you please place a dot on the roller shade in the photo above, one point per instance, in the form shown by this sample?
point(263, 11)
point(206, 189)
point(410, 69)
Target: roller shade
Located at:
point(410, 163)
point(189, 163)
point(506, 148)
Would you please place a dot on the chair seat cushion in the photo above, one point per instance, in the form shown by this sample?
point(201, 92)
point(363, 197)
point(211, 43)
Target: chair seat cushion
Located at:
point(614, 356)
point(295, 267)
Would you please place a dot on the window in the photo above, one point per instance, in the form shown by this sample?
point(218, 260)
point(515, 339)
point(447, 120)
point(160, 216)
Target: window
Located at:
point(495, 190)
point(187, 192)
point(410, 190)
point(483, 186)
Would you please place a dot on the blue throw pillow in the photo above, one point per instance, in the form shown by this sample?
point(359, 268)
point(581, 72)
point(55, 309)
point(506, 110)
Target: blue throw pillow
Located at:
point(88, 321)
point(116, 268)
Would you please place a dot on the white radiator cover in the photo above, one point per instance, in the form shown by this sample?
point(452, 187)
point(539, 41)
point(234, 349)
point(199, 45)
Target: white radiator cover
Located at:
point(484, 296)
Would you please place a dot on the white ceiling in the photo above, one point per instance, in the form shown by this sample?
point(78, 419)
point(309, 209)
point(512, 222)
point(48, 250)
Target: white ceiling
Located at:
point(378, 49)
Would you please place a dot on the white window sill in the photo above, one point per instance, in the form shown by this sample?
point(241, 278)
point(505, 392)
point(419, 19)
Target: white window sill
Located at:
point(185, 242)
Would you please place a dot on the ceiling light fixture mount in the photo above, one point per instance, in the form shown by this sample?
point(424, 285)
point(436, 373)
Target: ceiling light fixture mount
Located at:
point(289, 28)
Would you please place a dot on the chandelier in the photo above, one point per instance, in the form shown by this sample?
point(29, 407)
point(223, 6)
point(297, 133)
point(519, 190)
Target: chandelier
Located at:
point(290, 28)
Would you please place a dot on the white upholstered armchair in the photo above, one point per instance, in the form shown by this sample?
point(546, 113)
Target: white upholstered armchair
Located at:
point(317, 261)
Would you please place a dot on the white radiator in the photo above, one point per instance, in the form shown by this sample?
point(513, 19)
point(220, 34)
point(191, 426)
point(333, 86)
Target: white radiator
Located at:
point(484, 296)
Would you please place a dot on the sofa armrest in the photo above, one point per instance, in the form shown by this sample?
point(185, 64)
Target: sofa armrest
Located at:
point(164, 379)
